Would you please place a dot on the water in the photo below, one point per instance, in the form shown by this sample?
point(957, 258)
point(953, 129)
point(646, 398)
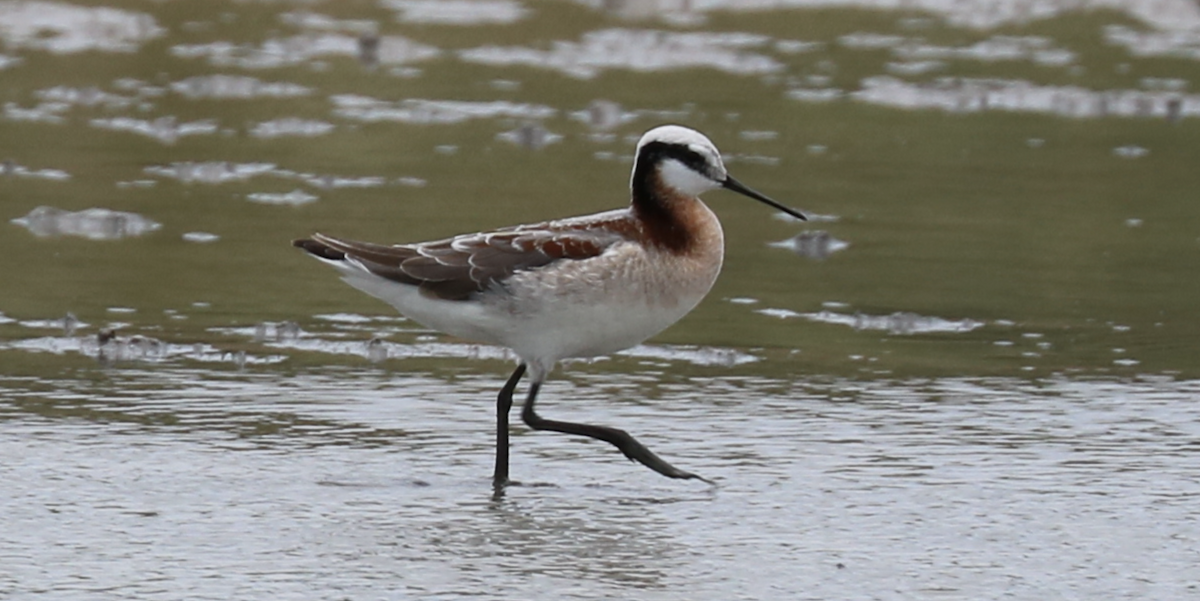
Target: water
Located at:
point(971, 375)
point(171, 483)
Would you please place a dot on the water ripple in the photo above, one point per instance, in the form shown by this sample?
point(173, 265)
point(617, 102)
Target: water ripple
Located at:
point(347, 480)
point(302, 48)
point(636, 50)
point(93, 224)
point(64, 28)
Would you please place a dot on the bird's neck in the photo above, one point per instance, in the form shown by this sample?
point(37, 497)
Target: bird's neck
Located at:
point(663, 211)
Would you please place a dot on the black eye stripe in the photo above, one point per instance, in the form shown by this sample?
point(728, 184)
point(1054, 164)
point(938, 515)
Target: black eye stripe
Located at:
point(646, 187)
point(653, 153)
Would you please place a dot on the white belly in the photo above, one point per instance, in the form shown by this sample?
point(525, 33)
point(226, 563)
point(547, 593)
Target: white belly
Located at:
point(569, 309)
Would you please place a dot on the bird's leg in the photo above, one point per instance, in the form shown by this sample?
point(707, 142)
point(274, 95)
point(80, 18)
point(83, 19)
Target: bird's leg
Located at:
point(503, 405)
point(621, 439)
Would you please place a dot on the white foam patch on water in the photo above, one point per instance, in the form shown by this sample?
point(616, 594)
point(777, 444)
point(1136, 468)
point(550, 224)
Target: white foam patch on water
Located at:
point(416, 110)
point(45, 112)
point(93, 224)
point(64, 28)
point(326, 182)
point(1169, 43)
point(12, 169)
point(531, 135)
point(304, 19)
point(1167, 15)
point(137, 349)
point(1037, 49)
point(815, 94)
point(431, 347)
point(291, 51)
point(969, 95)
point(1130, 152)
point(200, 237)
point(797, 46)
point(813, 244)
point(758, 135)
point(923, 56)
point(642, 51)
point(912, 68)
point(754, 159)
point(897, 323)
point(55, 101)
point(236, 86)
point(67, 323)
point(344, 318)
point(212, 172)
point(695, 355)
point(220, 172)
point(376, 346)
point(603, 115)
point(294, 198)
point(290, 126)
point(457, 12)
point(167, 130)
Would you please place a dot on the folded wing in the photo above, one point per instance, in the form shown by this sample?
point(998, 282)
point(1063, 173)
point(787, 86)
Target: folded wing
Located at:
point(460, 267)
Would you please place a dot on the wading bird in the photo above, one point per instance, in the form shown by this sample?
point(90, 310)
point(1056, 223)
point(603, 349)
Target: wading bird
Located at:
point(576, 287)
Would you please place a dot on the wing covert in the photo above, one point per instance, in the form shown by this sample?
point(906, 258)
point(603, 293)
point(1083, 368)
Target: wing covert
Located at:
point(460, 267)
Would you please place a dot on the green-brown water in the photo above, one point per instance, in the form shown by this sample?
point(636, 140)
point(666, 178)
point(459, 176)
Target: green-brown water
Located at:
point(984, 385)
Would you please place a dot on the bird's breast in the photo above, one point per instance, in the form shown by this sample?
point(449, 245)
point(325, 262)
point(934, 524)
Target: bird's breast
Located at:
point(613, 301)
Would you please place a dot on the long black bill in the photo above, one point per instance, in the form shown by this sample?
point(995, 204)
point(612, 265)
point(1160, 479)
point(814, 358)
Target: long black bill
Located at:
point(740, 188)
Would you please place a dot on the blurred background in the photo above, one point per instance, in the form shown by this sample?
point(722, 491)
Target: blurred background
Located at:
point(999, 188)
point(1000, 270)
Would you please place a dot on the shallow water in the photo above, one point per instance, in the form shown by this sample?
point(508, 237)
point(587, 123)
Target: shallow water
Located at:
point(972, 374)
point(170, 483)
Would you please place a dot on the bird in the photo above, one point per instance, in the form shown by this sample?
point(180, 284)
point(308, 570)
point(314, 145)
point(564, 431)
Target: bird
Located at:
point(568, 288)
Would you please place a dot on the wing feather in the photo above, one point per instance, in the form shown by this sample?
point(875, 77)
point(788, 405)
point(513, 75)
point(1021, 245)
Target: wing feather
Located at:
point(459, 268)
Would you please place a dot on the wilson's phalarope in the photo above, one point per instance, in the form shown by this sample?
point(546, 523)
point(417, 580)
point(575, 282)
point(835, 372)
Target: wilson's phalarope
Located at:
point(576, 287)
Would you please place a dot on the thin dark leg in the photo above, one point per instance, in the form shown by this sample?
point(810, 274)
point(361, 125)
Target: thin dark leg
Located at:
point(621, 439)
point(503, 405)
